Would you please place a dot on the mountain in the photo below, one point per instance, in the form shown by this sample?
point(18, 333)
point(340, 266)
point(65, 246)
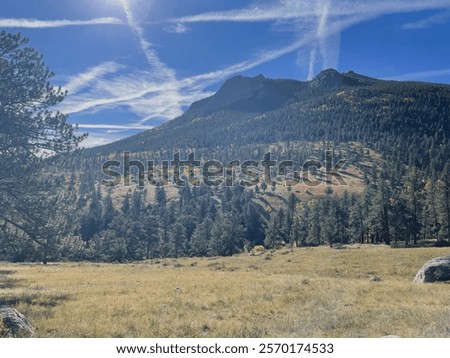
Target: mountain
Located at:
point(247, 94)
point(395, 118)
point(394, 138)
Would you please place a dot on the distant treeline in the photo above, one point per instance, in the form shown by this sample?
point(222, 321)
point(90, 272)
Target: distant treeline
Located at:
point(221, 221)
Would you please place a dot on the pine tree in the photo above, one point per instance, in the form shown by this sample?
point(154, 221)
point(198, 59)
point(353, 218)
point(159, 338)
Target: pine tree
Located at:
point(201, 238)
point(137, 204)
point(150, 235)
point(227, 236)
point(356, 222)
point(443, 204)
point(161, 197)
point(177, 237)
point(126, 205)
point(29, 130)
point(108, 210)
point(297, 236)
point(378, 216)
point(274, 235)
point(411, 194)
point(314, 224)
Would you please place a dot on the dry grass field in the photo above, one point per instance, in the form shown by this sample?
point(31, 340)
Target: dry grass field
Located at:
point(303, 292)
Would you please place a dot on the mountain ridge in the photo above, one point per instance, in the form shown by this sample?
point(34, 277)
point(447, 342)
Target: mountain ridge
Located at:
point(279, 91)
point(391, 116)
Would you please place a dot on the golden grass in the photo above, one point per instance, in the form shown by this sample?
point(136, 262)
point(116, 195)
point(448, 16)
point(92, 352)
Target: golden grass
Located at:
point(305, 292)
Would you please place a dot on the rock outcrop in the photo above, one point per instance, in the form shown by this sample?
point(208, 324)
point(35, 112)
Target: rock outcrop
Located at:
point(435, 270)
point(14, 324)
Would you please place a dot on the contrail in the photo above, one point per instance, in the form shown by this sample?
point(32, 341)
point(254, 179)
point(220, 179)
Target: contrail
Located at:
point(42, 24)
point(312, 62)
point(321, 39)
point(163, 71)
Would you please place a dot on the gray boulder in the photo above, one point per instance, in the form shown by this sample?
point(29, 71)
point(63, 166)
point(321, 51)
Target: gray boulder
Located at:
point(14, 324)
point(435, 270)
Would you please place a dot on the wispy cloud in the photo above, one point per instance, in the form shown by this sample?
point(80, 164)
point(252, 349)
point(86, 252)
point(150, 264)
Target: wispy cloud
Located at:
point(161, 69)
point(95, 140)
point(38, 24)
point(113, 126)
point(162, 74)
point(327, 14)
point(83, 80)
point(177, 28)
point(421, 76)
point(295, 9)
point(307, 39)
point(324, 7)
point(428, 22)
point(122, 90)
point(312, 62)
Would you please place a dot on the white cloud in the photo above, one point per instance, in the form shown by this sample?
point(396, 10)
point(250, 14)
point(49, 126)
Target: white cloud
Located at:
point(113, 126)
point(428, 22)
point(312, 62)
point(162, 70)
point(122, 90)
point(324, 7)
point(295, 9)
point(137, 92)
point(177, 28)
point(327, 13)
point(38, 24)
point(262, 57)
point(421, 76)
point(95, 140)
point(82, 80)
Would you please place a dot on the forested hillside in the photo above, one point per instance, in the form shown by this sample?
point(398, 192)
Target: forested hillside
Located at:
point(399, 119)
point(394, 137)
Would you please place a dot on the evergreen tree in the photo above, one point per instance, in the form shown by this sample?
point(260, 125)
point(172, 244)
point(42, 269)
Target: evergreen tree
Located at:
point(314, 224)
point(297, 236)
point(443, 204)
point(150, 235)
point(201, 238)
point(227, 236)
point(274, 235)
point(356, 222)
point(161, 197)
point(177, 237)
point(28, 130)
point(126, 205)
point(411, 195)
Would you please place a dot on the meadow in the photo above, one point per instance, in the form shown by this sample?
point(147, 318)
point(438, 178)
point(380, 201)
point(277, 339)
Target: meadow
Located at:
point(301, 292)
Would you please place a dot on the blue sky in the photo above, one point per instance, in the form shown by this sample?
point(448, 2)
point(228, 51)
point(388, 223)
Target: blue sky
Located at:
point(130, 65)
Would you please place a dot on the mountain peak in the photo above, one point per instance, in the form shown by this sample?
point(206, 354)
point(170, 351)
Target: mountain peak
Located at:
point(246, 94)
point(329, 78)
point(239, 83)
point(332, 79)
